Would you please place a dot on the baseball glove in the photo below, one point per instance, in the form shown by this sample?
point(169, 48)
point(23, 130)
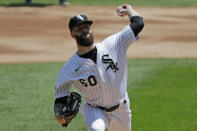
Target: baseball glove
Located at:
point(66, 108)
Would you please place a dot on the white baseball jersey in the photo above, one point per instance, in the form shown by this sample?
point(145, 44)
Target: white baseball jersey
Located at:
point(102, 83)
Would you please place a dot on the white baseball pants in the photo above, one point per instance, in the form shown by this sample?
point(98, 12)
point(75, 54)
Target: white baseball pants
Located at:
point(98, 120)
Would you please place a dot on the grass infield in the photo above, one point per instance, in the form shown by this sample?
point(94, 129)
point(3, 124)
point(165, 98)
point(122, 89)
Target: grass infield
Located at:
point(163, 96)
point(103, 2)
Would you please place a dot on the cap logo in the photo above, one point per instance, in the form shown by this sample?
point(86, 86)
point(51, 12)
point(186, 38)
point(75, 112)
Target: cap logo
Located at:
point(80, 17)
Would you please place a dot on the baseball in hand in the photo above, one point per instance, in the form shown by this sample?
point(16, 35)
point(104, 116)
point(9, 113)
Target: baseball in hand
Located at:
point(120, 10)
point(124, 6)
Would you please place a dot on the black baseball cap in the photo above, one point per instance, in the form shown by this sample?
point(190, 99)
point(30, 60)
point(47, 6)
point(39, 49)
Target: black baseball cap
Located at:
point(77, 20)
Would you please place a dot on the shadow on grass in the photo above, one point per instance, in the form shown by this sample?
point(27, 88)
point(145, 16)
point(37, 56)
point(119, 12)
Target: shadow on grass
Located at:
point(26, 5)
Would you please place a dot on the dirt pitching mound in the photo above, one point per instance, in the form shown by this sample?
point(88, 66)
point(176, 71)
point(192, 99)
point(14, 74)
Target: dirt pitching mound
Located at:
point(40, 34)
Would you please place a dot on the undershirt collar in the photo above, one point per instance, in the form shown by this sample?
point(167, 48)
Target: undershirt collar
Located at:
point(91, 55)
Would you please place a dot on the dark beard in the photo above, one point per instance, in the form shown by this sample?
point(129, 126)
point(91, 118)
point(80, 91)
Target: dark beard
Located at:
point(85, 41)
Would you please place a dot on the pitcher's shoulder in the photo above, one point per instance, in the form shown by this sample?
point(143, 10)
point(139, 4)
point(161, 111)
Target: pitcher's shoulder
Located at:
point(70, 63)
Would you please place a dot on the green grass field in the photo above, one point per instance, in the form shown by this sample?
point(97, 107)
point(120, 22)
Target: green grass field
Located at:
point(163, 94)
point(105, 2)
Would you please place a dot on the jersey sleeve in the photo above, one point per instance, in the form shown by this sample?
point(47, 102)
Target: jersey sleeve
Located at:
point(63, 83)
point(124, 38)
point(63, 90)
point(121, 40)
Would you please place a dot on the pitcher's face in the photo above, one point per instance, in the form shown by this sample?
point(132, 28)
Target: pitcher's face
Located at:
point(83, 35)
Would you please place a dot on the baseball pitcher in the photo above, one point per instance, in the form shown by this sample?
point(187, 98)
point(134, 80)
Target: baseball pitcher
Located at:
point(99, 72)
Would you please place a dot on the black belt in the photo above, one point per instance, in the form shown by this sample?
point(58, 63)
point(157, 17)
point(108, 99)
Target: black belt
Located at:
point(108, 109)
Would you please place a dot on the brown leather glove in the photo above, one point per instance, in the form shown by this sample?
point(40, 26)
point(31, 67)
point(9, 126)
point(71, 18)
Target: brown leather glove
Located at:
point(66, 108)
